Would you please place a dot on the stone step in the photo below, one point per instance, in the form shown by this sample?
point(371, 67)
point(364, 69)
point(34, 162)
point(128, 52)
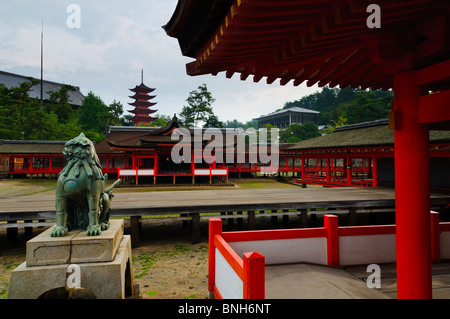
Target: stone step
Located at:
point(74, 247)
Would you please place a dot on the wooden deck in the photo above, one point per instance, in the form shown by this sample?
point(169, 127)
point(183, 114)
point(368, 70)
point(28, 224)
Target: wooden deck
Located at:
point(310, 281)
point(193, 203)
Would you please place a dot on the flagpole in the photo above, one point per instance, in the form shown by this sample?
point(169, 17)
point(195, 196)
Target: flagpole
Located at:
point(42, 62)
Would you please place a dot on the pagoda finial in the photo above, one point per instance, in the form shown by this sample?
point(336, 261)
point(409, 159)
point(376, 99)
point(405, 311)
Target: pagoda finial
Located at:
point(142, 75)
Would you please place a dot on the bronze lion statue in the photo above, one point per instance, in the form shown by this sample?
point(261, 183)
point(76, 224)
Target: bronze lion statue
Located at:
point(82, 202)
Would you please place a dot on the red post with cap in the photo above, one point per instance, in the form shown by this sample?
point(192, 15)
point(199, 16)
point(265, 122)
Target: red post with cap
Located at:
point(254, 276)
point(215, 228)
point(331, 225)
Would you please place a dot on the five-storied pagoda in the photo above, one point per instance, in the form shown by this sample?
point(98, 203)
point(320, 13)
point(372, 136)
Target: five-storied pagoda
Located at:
point(142, 103)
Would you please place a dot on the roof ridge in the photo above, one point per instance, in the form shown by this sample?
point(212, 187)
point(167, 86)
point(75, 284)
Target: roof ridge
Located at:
point(44, 80)
point(361, 125)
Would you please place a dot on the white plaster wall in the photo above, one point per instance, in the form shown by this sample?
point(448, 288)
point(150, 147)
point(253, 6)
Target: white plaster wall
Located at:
point(228, 282)
point(445, 245)
point(356, 250)
point(311, 250)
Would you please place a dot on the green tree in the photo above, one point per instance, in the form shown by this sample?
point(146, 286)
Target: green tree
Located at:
point(298, 132)
point(213, 121)
point(18, 112)
point(199, 107)
point(233, 124)
point(95, 116)
point(115, 110)
point(21, 116)
point(59, 103)
point(92, 113)
point(367, 106)
point(125, 120)
point(356, 105)
point(161, 120)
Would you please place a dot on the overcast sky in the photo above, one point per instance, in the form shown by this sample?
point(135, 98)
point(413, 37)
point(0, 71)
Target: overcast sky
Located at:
point(115, 40)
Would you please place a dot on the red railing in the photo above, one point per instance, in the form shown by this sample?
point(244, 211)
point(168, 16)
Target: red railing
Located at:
point(334, 246)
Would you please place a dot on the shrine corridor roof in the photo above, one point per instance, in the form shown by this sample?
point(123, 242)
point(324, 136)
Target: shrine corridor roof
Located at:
point(321, 42)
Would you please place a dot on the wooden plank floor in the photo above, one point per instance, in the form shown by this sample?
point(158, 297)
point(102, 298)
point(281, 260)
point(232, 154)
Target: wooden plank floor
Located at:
point(138, 204)
point(223, 200)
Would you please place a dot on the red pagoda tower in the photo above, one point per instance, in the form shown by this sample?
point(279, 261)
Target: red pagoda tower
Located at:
point(142, 103)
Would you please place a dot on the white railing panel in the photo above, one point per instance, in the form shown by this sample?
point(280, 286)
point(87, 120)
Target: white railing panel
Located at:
point(281, 251)
point(228, 282)
point(127, 172)
point(367, 249)
point(445, 245)
point(146, 172)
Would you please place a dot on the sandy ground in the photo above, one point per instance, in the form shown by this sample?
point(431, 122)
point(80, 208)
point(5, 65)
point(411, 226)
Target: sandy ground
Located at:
point(166, 264)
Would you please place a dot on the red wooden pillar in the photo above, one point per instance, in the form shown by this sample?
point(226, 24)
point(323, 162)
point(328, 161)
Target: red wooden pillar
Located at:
point(348, 169)
point(374, 171)
point(215, 228)
point(328, 170)
point(302, 167)
point(412, 192)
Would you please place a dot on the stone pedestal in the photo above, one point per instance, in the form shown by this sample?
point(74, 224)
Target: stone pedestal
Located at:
point(104, 262)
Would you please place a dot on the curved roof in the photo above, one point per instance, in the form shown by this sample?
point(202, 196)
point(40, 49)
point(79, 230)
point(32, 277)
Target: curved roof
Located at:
point(194, 22)
point(375, 133)
point(289, 110)
point(322, 42)
point(13, 80)
point(142, 88)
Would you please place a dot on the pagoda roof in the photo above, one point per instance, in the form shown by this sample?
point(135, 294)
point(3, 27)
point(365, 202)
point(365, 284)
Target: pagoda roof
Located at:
point(142, 96)
point(142, 88)
point(143, 113)
point(142, 103)
point(322, 42)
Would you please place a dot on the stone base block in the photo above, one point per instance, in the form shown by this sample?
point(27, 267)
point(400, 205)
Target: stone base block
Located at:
point(106, 280)
point(75, 247)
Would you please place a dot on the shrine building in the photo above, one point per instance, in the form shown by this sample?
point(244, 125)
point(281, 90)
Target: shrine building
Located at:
point(14, 80)
point(287, 117)
point(399, 45)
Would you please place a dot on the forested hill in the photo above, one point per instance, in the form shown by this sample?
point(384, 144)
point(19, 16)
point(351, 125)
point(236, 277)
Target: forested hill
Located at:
point(348, 105)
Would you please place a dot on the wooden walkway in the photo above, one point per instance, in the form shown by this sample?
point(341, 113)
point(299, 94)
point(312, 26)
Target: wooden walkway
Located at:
point(310, 281)
point(189, 204)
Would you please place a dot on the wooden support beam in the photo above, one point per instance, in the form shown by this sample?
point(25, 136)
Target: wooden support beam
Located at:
point(135, 230)
point(251, 220)
point(195, 228)
point(434, 108)
point(434, 74)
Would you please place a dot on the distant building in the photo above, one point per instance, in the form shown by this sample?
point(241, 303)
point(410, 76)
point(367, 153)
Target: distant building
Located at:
point(14, 80)
point(287, 117)
point(142, 104)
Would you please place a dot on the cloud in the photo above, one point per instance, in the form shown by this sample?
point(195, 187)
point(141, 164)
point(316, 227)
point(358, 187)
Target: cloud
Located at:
point(116, 40)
